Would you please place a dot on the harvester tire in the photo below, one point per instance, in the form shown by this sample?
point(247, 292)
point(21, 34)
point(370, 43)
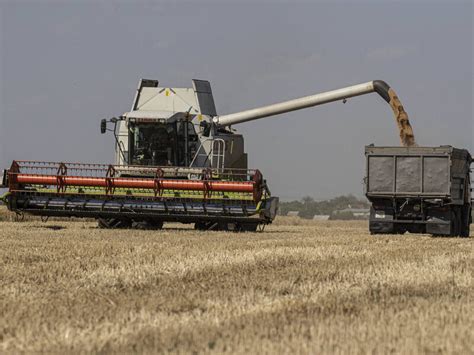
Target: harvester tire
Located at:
point(200, 226)
point(224, 226)
point(148, 224)
point(114, 223)
point(247, 227)
point(211, 226)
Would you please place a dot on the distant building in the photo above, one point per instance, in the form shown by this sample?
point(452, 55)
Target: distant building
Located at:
point(321, 217)
point(293, 213)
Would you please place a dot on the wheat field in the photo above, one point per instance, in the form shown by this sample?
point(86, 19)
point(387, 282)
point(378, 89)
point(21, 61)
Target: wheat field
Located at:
point(314, 287)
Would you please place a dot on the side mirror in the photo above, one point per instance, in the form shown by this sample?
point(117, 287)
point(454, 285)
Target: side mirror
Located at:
point(206, 128)
point(103, 125)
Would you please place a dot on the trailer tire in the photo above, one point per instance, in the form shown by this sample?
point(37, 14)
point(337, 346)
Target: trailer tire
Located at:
point(381, 228)
point(457, 222)
point(454, 223)
point(465, 221)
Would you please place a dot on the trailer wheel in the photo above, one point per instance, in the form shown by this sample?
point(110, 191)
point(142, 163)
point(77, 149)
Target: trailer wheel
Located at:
point(454, 223)
point(381, 228)
point(457, 222)
point(465, 221)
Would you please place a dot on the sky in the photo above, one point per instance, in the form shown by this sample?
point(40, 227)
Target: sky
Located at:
point(66, 65)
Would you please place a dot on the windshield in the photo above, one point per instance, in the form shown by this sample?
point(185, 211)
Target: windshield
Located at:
point(162, 144)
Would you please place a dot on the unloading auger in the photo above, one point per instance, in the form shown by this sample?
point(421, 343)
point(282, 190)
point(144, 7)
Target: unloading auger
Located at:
point(176, 160)
point(407, 137)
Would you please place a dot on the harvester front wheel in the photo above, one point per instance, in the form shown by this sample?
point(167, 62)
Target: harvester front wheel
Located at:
point(211, 226)
point(114, 223)
point(226, 226)
point(122, 223)
point(248, 227)
point(147, 224)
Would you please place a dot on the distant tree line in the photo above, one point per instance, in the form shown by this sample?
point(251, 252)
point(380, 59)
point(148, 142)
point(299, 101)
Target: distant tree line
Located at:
point(308, 207)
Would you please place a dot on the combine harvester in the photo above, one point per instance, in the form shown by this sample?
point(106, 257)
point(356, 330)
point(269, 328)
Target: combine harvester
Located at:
point(176, 161)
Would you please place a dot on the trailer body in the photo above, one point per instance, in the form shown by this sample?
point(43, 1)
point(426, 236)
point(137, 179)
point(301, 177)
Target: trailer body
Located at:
point(418, 190)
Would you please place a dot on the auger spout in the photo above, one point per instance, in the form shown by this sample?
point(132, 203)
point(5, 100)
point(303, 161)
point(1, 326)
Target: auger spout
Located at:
point(381, 87)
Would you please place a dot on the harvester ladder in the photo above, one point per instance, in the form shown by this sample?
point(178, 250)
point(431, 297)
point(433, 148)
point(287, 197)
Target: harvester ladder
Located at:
point(216, 156)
